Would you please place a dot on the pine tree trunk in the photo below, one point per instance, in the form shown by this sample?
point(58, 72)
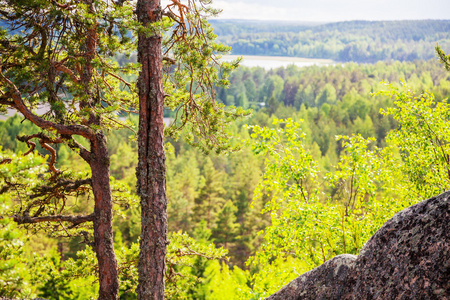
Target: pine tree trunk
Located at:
point(103, 232)
point(151, 171)
point(99, 163)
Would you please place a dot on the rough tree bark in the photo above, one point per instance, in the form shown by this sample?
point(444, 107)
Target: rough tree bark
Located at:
point(103, 233)
point(151, 172)
point(99, 162)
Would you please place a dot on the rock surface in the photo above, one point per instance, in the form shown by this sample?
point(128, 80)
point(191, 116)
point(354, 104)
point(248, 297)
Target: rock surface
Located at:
point(408, 258)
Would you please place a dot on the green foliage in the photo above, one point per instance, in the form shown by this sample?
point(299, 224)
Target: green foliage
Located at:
point(327, 95)
point(183, 252)
point(10, 129)
point(226, 229)
point(183, 182)
point(210, 194)
point(352, 111)
point(423, 138)
point(191, 82)
point(52, 285)
point(313, 222)
point(357, 176)
point(14, 281)
point(290, 171)
point(272, 276)
point(58, 70)
point(224, 283)
point(352, 185)
point(443, 58)
point(15, 171)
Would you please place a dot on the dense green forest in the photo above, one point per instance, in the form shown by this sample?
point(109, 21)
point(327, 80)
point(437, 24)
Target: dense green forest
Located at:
point(319, 171)
point(358, 41)
point(264, 174)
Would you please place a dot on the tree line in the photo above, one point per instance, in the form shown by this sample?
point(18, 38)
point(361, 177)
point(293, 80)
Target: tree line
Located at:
point(358, 41)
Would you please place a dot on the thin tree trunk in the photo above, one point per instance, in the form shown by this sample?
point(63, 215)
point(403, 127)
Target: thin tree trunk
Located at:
point(99, 163)
point(103, 232)
point(151, 171)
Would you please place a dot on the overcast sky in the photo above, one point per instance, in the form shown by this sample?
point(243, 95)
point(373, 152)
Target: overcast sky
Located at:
point(333, 10)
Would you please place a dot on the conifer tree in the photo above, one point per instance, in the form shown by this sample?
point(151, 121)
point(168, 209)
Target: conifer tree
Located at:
point(226, 228)
point(57, 56)
point(186, 57)
point(211, 194)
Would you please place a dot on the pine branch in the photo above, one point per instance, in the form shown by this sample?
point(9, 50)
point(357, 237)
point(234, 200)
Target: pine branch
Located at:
point(77, 147)
point(40, 122)
point(75, 220)
point(443, 58)
point(44, 141)
point(69, 186)
point(4, 100)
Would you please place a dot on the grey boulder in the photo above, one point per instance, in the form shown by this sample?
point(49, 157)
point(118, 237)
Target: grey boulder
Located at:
point(407, 258)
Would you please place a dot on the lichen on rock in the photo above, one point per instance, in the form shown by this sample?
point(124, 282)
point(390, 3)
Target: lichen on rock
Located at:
point(407, 258)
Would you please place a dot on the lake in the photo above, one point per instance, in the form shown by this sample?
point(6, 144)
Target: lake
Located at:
point(266, 62)
point(273, 62)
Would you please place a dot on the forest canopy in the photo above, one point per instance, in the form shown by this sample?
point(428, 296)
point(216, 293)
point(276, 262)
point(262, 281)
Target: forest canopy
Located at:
point(326, 157)
point(229, 200)
point(358, 41)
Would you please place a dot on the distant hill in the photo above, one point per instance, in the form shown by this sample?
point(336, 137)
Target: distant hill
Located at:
point(235, 27)
point(359, 41)
point(405, 30)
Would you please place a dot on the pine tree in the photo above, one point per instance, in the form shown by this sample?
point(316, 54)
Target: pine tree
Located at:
point(61, 56)
point(211, 194)
point(190, 58)
point(227, 228)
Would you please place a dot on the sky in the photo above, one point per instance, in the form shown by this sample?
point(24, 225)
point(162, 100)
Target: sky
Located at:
point(333, 10)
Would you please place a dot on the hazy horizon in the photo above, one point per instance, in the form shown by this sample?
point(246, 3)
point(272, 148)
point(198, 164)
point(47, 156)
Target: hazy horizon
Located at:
point(326, 11)
point(319, 22)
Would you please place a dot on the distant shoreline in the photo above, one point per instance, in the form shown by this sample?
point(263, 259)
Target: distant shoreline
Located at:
point(274, 62)
point(281, 58)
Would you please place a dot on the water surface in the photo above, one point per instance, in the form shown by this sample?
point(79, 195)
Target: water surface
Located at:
point(273, 62)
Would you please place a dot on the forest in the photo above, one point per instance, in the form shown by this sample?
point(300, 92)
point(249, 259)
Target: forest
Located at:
point(357, 41)
point(316, 159)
